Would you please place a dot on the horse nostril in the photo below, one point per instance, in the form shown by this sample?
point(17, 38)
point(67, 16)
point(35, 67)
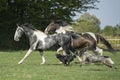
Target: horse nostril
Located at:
point(16, 39)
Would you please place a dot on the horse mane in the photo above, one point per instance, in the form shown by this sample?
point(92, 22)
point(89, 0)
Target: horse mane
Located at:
point(29, 25)
point(73, 35)
point(61, 23)
point(64, 25)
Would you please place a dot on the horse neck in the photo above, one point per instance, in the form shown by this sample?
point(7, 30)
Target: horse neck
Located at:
point(65, 29)
point(53, 36)
point(28, 32)
point(42, 33)
point(60, 30)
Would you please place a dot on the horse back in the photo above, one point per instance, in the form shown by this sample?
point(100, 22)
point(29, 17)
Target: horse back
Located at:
point(80, 42)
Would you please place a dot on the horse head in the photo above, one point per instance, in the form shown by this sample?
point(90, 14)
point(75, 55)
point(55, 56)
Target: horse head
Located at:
point(58, 26)
point(52, 27)
point(18, 32)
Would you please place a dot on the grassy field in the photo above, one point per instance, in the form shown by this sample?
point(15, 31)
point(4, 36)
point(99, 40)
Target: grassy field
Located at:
point(52, 70)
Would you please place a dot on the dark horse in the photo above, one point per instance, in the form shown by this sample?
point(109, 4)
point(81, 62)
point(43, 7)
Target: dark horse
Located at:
point(87, 39)
point(40, 41)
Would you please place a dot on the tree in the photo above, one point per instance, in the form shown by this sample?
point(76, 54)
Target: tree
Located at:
point(37, 12)
point(108, 30)
point(88, 23)
point(33, 10)
point(40, 12)
point(90, 18)
point(117, 30)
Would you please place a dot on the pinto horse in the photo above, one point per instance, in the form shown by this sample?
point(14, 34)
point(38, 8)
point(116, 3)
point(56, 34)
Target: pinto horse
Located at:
point(40, 41)
point(84, 39)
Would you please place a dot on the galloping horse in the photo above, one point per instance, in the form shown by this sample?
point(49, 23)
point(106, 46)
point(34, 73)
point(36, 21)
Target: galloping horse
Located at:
point(40, 41)
point(89, 38)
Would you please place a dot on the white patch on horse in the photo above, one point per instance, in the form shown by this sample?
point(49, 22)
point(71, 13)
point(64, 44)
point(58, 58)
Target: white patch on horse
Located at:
point(92, 34)
point(82, 33)
point(41, 37)
point(46, 29)
point(68, 28)
point(60, 30)
point(99, 51)
point(64, 29)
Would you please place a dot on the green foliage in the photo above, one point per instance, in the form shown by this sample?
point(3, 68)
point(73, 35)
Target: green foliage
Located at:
point(52, 70)
point(108, 30)
point(87, 23)
point(111, 30)
point(117, 30)
point(90, 18)
point(37, 12)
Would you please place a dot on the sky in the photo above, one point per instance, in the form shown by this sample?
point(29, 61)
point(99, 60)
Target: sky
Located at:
point(108, 12)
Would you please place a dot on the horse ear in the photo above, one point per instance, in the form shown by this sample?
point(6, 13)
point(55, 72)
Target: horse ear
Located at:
point(17, 24)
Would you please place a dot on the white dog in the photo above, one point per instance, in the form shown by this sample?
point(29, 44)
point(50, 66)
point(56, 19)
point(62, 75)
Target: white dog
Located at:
point(92, 58)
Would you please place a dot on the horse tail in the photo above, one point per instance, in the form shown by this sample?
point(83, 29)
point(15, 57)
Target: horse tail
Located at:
point(106, 43)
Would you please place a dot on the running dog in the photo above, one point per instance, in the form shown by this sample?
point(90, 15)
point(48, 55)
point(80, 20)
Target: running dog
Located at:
point(65, 59)
point(92, 58)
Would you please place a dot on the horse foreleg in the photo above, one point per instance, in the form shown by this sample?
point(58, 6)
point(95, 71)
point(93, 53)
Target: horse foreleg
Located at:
point(42, 55)
point(26, 55)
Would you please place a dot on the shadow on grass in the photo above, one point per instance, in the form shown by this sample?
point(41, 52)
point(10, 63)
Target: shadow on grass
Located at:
point(60, 64)
point(53, 64)
point(96, 69)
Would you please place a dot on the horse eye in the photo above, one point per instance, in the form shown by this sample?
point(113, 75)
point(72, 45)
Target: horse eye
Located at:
point(18, 30)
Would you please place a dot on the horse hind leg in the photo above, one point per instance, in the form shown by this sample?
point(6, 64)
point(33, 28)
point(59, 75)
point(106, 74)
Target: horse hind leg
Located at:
point(42, 55)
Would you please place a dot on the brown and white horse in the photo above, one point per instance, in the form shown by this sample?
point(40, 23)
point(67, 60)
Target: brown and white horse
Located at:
point(80, 40)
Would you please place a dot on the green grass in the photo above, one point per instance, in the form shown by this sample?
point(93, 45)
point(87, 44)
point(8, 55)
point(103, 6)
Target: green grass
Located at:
point(52, 70)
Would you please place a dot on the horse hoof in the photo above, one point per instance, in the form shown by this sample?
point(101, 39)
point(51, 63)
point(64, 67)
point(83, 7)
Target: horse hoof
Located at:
point(42, 63)
point(60, 62)
point(19, 62)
